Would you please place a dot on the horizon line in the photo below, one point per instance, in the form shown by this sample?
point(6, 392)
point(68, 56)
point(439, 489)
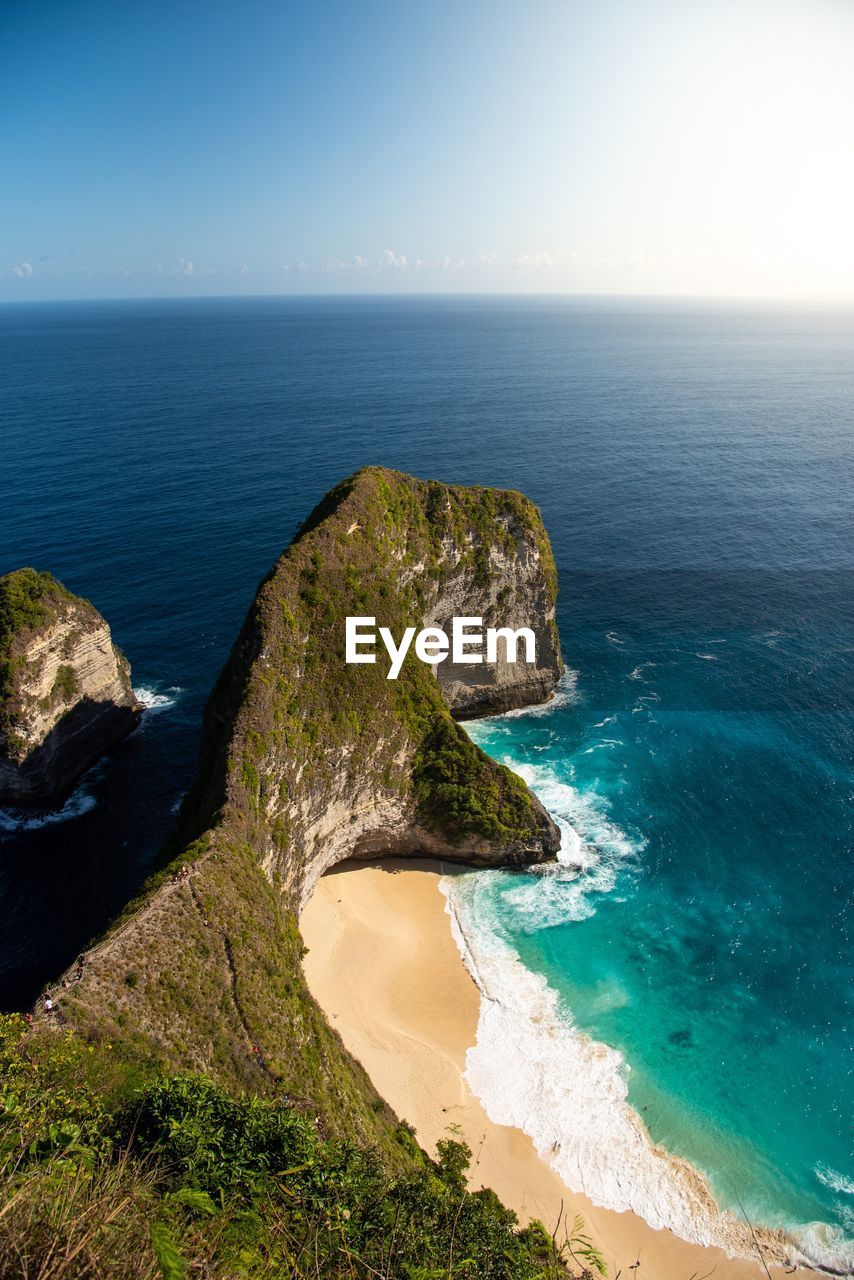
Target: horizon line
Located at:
point(558, 295)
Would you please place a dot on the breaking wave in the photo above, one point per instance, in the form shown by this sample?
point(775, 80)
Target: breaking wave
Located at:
point(565, 694)
point(16, 820)
point(834, 1181)
point(593, 852)
point(534, 1069)
point(152, 700)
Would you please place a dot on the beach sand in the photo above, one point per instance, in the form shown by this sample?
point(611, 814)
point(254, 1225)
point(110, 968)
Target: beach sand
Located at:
point(384, 967)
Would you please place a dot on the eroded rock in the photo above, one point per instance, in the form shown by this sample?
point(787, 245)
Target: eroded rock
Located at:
point(65, 691)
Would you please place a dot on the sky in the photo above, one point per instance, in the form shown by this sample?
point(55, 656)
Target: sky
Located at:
point(673, 147)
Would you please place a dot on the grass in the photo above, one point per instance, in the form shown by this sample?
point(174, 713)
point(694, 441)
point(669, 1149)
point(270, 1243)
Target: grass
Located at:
point(106, 1172)
point(359, 554)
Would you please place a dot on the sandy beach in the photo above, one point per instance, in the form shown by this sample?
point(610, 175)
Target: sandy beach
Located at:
point(383, 965)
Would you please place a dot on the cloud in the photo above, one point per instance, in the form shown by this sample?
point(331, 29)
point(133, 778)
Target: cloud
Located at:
point(244, 270)
point(340, 266)
point(488, 259)
point(186, 268)
point(23, 271)
point(439, 264)
point(545, 259)
point(333, 266)
point(389, 261)
point(535, 261)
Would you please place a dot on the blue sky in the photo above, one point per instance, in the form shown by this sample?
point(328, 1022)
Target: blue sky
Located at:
point(614, 146)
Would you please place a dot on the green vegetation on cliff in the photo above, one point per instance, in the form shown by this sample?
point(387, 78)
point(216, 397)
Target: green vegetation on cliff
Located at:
point(65, 692)
point(28, 601)
point(109, 1171)
point(385, 545)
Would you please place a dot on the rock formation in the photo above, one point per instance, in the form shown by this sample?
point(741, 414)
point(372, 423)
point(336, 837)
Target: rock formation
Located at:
point(65, 692)
point(337, 761)
point(307, 760)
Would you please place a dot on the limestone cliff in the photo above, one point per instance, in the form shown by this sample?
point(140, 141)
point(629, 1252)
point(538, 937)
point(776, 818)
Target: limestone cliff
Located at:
point(337, 761)
point(508, 580)
point(307, 761)
point(65, 691)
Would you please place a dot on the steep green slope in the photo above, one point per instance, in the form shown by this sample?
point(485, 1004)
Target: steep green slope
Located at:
point(107, 1172)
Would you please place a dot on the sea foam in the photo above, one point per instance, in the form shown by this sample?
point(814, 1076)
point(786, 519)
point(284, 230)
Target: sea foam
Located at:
point(151, 700)
point(835, 1181)
point(565, 694)
point(534, 1070)
point(15, 820)
point(593, 852)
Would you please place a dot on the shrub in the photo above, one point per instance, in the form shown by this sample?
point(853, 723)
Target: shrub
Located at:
point(103, 1174)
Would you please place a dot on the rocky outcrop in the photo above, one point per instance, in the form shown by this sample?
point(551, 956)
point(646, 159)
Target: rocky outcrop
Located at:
point(512, 586)
point(307, 761)
point(337, 761)
point(65, 691)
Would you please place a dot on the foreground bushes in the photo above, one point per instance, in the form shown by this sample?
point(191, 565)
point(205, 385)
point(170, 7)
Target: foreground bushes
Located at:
point(106, 1171)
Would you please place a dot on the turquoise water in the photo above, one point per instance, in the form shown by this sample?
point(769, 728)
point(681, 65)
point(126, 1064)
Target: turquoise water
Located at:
point(700, 764)
point(694, 464)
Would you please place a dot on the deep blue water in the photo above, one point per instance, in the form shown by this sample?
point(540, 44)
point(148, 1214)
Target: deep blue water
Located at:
point(694, 464)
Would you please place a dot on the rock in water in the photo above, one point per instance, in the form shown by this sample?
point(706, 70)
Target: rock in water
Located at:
point(65, 691)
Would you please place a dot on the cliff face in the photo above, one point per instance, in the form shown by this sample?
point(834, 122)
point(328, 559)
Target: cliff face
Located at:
point(511, 584)
point(65, 692)
point(337, 761)
point(307, 760)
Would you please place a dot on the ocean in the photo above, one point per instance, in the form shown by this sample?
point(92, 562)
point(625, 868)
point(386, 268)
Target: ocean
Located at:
point(689, 962)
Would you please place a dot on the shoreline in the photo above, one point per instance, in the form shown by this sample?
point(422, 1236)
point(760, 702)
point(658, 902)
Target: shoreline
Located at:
point(383, 965)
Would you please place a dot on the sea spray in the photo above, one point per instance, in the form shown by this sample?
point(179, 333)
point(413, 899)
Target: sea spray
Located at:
point(533, 1070)
point(594, 851)
point(152, 700)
